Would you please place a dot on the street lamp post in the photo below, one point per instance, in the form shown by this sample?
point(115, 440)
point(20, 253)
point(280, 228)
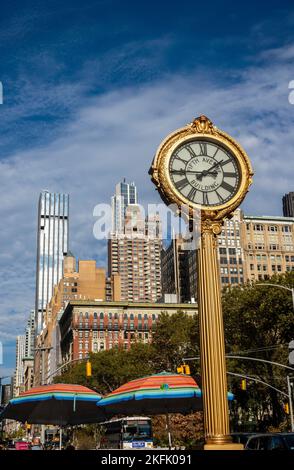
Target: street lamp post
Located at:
point(289, 395)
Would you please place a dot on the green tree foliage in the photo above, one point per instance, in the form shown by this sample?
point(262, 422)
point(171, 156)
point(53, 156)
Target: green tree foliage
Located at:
point(112, 368)
point(259, 322)
point(175, 337)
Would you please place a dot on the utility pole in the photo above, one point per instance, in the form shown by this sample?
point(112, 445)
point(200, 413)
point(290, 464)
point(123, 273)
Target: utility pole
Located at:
point(289, 395)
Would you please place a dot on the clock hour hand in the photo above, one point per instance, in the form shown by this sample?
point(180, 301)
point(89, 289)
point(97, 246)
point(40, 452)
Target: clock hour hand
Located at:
point(207, 172)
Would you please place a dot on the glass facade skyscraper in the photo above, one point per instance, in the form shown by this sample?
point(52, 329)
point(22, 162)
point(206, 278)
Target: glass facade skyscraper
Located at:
point(52, 245)
point(125, 194)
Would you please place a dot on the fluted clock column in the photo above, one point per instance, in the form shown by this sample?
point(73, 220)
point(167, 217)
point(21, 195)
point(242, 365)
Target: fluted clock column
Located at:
point(212, 348)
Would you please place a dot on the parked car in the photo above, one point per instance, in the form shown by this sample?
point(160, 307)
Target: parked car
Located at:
point(242, 437)
point(271, 441)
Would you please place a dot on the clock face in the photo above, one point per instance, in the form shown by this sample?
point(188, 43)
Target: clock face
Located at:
point(205, 173)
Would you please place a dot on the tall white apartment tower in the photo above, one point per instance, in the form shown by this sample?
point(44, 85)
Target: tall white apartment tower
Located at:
point(52, 246)
point(125, 194)
point(19, 372)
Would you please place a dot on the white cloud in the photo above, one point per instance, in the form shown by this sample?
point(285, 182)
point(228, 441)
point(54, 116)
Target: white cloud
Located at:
point(115, 135)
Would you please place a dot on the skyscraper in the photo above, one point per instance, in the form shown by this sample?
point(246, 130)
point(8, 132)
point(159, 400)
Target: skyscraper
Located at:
point(135, 256)
point(30, 335)
point(52, 245)
point(288, 205)
point(19, 371)
point(125, 194)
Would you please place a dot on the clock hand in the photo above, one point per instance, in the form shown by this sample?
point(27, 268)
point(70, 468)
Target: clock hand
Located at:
point(208, 171)
point(213, 166)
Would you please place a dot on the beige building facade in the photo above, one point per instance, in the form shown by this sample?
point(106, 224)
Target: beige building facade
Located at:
point(88, 282)
point(135, 256)
point(268, 244)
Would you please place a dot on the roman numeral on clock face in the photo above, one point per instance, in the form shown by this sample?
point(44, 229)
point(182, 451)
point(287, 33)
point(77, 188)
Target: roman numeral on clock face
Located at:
point(192, 194)
point(181, 184)
point(178, 172)
point(191, 151)
point(203, 149)
point(227, 186)
point(229, 174)
point(205, 199)
point(220, 199)
point(181, 159)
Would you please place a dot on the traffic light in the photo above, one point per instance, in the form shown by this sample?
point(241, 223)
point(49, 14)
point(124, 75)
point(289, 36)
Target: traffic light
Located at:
point(187, 369)
point(286, 408)
point(243, 384)
point(88, 369)
point(183, 369)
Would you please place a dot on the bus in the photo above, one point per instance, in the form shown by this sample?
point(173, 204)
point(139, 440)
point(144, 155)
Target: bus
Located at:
point(127, 433)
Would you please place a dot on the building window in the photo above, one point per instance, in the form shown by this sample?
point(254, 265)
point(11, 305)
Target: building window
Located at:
point(274, 247)
point(101, 315)
point(258, 227)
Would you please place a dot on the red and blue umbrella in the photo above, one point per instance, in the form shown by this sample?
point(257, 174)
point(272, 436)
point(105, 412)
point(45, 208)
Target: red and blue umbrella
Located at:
point(59, 404)
point(162, 393)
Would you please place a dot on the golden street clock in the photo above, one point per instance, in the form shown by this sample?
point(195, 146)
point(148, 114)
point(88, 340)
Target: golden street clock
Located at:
point(202, 167)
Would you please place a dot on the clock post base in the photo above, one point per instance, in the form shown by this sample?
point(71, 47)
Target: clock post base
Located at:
point(224, 446)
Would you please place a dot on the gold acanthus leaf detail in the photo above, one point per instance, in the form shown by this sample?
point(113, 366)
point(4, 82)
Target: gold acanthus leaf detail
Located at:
point(203, 125)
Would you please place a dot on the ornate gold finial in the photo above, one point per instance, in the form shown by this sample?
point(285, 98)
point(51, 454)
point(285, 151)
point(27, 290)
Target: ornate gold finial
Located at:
point(203, 125)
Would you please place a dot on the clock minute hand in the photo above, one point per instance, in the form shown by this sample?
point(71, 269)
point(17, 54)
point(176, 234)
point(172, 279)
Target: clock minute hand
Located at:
point(205, 172)
point(208, 171)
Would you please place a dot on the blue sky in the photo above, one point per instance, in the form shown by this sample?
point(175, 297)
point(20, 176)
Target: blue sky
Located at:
point(92, 87)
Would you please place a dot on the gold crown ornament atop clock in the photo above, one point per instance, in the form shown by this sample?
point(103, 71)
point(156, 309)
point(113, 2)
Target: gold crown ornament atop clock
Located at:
point(202, 167)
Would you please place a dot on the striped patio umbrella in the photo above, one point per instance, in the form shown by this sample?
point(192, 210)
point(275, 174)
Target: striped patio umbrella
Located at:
point(162, 393)
point(59, 404)
point(156, 394)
